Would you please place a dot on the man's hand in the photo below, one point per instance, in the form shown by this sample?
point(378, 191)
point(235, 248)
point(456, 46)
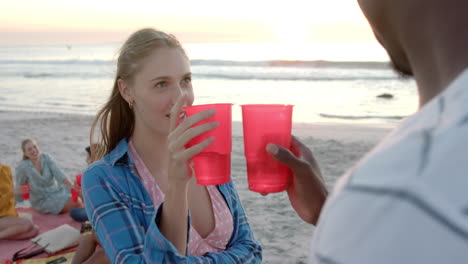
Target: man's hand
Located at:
point(307, 193)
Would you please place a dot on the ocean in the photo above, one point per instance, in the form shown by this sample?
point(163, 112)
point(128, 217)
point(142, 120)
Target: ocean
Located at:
point(325, 83)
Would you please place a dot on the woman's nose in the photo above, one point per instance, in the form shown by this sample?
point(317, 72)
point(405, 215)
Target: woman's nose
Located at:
point(177, 92)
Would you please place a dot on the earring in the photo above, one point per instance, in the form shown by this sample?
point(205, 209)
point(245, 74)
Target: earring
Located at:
point(130, 104)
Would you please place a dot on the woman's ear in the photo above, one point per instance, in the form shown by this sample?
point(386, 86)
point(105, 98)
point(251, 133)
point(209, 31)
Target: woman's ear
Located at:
point(125, 91)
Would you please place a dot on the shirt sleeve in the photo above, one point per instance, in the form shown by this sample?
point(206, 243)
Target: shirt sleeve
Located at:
point(6, 186)
point(120, 231)
point(242, 248)
point(56, 171)
point(390, 225)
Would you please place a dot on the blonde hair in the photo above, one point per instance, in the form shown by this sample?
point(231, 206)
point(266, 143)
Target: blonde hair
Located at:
point(116, 119)
point(23, 144)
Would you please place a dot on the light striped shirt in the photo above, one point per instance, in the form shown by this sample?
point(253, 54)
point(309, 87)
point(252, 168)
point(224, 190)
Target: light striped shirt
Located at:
point(407, 201)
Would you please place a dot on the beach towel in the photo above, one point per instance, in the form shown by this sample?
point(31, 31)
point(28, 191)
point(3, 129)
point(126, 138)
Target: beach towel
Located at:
point(45, 222)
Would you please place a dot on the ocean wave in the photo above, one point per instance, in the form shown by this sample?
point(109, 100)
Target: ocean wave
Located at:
point(66, 75)
point(227, 75)
point(374, 65)
point(357, 117)
point(58, 62)
point(210, 69)
point(291, 77)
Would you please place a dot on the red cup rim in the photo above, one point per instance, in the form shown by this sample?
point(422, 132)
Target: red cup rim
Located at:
point(204, 105)
point(266, 105)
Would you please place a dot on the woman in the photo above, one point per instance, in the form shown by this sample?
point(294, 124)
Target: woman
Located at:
point(49, 186)
point(11, 225)
point(142, 200)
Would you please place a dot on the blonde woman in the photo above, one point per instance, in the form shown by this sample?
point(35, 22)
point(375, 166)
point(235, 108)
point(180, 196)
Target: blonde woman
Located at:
point(141, 196)
point(49, 186)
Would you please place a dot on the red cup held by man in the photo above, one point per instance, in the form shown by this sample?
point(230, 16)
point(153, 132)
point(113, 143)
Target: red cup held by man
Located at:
point(263, 124)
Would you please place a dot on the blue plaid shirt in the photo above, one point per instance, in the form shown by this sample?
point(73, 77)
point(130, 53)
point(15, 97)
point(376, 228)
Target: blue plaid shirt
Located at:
point(126, 222)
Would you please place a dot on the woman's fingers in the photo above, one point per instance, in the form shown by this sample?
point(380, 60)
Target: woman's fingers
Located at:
point(187, 154)
point(190, 121)
point(175, 112)
point(191, 133)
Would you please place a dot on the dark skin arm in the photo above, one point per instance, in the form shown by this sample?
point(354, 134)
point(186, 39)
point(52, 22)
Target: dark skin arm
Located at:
point(307, 193)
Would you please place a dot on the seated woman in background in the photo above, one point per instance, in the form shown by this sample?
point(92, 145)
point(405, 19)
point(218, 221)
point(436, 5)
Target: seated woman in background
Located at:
point(49, 186)
point(11, 225)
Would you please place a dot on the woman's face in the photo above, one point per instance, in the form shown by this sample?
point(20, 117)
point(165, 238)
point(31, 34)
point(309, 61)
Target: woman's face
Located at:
point(164, 76)
point(31, 150)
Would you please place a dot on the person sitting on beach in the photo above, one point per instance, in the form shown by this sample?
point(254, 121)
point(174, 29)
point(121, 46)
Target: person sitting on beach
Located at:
point(88, 250)
point(406, 201)
point(11, 225)
point(49, 186)
point(141, 196)
point(79, 214)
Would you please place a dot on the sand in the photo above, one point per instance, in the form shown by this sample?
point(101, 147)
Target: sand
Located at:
point(284, 237)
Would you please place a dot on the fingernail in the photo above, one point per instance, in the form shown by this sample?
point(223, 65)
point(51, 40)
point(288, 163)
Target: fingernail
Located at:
point(272, 148)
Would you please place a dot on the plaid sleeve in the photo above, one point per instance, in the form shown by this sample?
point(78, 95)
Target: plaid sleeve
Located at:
point(119, 228)
point(242, 248)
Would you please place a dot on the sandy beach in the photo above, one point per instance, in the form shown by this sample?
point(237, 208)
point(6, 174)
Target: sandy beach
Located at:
point(284, 237)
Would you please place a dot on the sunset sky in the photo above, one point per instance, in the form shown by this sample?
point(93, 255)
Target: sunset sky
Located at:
point(101, 21)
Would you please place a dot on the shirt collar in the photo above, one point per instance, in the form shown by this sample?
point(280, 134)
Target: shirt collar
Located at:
point(120, 155)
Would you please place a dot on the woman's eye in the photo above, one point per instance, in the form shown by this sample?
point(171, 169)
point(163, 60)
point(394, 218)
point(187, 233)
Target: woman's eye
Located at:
point(187, 79)
point(160, 85)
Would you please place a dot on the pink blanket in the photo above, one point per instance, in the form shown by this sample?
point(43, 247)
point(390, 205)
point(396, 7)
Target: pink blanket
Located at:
point(45, 222)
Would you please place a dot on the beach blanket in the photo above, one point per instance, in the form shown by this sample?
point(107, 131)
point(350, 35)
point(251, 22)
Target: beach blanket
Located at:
point(56, 259)
point(45, 222)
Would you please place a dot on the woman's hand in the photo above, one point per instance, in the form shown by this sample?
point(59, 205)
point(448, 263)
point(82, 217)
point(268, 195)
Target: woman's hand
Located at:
point(20, 190)
point(180, 168)
point(174, 219)
point(69, 183)
point(307, 193)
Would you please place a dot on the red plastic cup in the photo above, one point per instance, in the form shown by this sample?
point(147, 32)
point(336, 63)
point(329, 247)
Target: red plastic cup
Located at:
point(263, 124)
point(24, 191)
point(78, 180)
point(74, 195)
point(213, 165)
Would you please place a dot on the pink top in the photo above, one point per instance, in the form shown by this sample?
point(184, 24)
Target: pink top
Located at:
point(197, 246)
